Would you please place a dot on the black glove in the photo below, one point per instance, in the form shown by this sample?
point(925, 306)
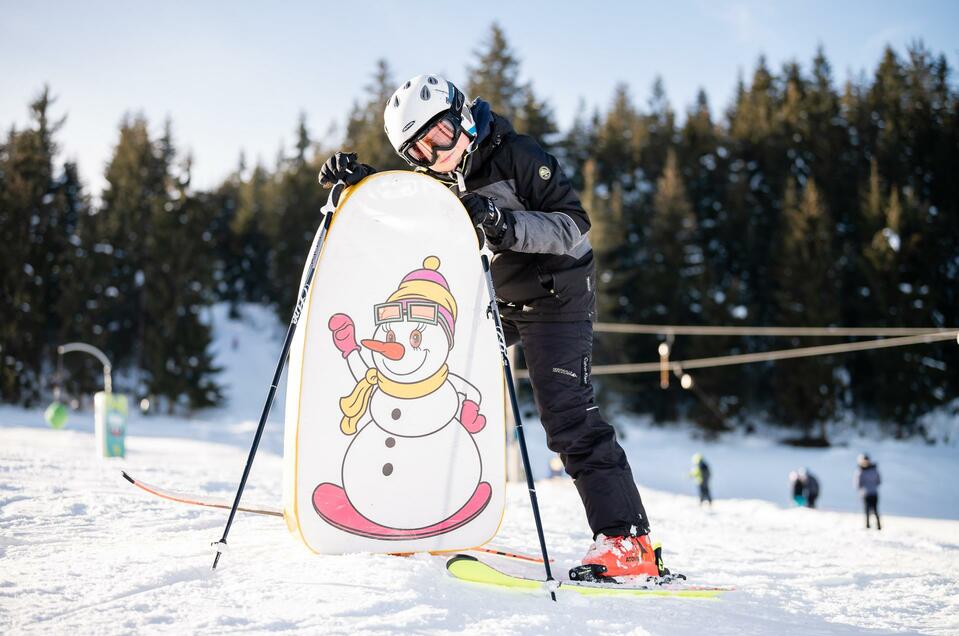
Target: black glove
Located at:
point(344, 166)
point(497, 226)
point(482, 209)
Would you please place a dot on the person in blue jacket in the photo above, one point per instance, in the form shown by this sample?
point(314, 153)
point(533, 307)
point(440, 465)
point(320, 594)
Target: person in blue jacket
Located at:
point(867, 482)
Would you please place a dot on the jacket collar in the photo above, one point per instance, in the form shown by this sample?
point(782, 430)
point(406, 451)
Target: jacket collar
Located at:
point(491, 129)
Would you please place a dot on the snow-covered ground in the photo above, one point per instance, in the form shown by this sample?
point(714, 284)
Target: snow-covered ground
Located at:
point(81, 551)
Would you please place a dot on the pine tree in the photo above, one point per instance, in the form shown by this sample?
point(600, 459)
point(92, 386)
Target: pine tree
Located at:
point(177, 358)
point(227, 270)
point(496, 79)
point(70, 280)
point(659, 125)
point(757, 177)
point(41, 208)
point(134, 196)
point(157, 254)
point(805, 390)
point(675, 275)
point(535, 118)
point(297, 215)
point(495, 76)
point(252, 229)
point(365, 134)
point(577, 147)
point(619, 136)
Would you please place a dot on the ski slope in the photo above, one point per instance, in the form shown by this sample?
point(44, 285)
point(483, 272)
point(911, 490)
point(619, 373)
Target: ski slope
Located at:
point(82, 551)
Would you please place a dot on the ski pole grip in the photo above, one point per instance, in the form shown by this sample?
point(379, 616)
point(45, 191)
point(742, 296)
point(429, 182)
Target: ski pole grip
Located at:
point(334, 199)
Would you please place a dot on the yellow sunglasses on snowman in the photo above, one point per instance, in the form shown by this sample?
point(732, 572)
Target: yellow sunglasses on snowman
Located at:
point(422, 311)
point(418, 311)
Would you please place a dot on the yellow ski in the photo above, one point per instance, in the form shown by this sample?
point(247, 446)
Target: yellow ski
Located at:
point(467, 568)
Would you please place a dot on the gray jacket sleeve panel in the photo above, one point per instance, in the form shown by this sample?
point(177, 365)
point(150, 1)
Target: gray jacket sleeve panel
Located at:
point(548, 233)
point(547, 193)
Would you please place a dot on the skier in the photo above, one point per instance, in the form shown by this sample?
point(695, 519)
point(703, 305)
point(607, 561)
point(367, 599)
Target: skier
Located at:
point(796, 487)
point(810, 487)
point(700, 472)
point(526, 211)
point(867, 481)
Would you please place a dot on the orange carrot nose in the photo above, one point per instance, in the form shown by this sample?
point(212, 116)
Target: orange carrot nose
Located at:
point(392, 350)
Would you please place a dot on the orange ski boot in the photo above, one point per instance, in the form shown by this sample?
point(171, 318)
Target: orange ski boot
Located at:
point(610, 557)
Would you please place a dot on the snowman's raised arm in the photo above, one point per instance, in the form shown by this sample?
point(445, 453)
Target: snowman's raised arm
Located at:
point(464, 388)
point(344, 339)
point(357, 364)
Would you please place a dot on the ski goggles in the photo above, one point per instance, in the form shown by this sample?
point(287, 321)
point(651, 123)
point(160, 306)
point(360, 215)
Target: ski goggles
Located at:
point(438, 136)
point(421, 311)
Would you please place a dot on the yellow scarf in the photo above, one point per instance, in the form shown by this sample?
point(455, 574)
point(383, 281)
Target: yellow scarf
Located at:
point(355, 405)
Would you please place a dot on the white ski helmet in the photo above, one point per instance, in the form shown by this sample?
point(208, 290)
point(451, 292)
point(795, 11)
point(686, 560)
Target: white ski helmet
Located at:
point(417, 106)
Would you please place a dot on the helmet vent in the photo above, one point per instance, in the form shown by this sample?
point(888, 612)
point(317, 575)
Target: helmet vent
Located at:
point(432, 80)
point(407, 85)
point(425, 93)
point(396, 101)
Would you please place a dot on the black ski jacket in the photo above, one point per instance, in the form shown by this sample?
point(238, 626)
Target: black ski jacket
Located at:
point(548, 274)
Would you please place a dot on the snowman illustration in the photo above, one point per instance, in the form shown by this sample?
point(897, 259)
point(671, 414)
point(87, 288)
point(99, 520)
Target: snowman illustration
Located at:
point(412, 469)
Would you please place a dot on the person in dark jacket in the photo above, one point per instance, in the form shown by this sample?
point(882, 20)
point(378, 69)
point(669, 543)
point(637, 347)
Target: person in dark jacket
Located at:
point(867, 482)
point(526, 212)
point(700, 473)
point(810, 487)
point(797, 488)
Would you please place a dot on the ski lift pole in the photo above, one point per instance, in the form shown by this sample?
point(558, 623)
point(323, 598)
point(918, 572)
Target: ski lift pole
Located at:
point(493, 311)
point(328, 211)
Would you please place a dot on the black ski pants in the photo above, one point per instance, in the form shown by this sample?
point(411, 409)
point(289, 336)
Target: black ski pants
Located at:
point(558, 356)
point(872, 506)
point(704, 494)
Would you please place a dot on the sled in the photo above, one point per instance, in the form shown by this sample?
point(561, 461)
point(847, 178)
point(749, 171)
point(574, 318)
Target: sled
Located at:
point(395, 402)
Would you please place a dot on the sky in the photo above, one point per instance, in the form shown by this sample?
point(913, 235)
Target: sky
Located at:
point(235, 76)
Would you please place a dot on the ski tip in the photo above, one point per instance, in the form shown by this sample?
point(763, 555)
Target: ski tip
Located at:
point(459, 558)
point(127, 477)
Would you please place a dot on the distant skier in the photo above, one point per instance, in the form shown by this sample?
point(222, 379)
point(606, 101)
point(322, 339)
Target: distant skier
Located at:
point(810, 487)
point(804, 487)
point(525, 209)
point(867, 481)
point(797, 488)
point(700, 472)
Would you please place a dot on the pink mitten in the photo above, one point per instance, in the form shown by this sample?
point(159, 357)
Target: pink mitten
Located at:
point(470, 417)
point(344, 333)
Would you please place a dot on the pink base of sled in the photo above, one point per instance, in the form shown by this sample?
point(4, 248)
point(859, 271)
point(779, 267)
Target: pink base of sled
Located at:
point(331, 503)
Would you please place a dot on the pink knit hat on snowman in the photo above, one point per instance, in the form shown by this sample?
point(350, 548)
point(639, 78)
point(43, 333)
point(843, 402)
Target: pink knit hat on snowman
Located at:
point(429, 285)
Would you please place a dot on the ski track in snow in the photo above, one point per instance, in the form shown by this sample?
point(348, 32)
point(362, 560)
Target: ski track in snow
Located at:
point(82, 551)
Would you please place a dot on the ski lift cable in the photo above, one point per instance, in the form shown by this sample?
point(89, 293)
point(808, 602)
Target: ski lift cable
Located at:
point(677, 366)
point(705, 330)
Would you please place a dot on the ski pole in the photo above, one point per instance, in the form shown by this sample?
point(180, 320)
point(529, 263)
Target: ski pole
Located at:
point(520, 435)
point(327, 211)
